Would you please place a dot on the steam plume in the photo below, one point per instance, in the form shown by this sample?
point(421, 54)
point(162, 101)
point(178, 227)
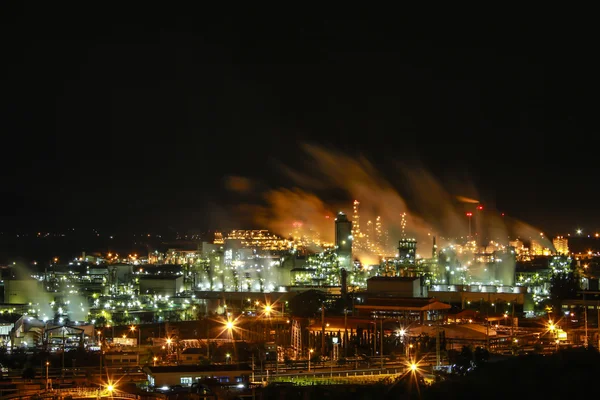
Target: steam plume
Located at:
point(432, 208)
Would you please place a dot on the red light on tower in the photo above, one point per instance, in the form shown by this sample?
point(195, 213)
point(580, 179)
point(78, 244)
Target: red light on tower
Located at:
point(480, 207)
point(469, 214)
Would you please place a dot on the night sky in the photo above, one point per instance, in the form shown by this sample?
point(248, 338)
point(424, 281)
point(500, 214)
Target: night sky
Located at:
point(117, 120)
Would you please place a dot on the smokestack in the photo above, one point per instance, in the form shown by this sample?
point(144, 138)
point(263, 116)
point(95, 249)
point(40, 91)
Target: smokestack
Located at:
point(434, 249)
point(344, 280)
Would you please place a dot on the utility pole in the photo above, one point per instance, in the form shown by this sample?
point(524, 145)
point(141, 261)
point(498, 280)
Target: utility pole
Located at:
point(585, 342)
point(381, 345)
point(276, 350)
point(512, 324)
point(322, 329)
point(437, 346)
point(346, 332)
point(62, 372)
point(207, 339)
point(374, 338)
point(487, 325)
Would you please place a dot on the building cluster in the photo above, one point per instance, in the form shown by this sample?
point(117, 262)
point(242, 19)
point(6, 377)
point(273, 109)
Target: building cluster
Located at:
point(177, 284)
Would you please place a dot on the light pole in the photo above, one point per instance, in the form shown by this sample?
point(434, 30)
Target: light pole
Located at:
point(267, 312)
point(169, 341)
point(155, 359)
point(469, 215)
point(112, 337)
point(47, 365)
point(552, 328)
point(335, 355)
point(132, 328)
point(230, 327)
point(309, 357)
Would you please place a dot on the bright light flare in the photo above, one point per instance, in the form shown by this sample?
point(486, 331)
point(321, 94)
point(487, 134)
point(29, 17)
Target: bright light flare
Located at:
point(413, 366)
point(228, 325)
point(551, 327)
point(269, 309)
point(110, 387)
point(412, 372)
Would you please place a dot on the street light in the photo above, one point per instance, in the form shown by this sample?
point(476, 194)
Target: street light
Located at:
point(155, 359)
point(309, 357)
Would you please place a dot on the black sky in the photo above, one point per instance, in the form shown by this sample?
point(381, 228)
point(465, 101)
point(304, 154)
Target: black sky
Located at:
point(115, 120)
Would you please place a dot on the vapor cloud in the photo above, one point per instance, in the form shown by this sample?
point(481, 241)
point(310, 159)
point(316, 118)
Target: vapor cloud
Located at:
point(288, 210)
point(467, 200)
point(238, 184)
